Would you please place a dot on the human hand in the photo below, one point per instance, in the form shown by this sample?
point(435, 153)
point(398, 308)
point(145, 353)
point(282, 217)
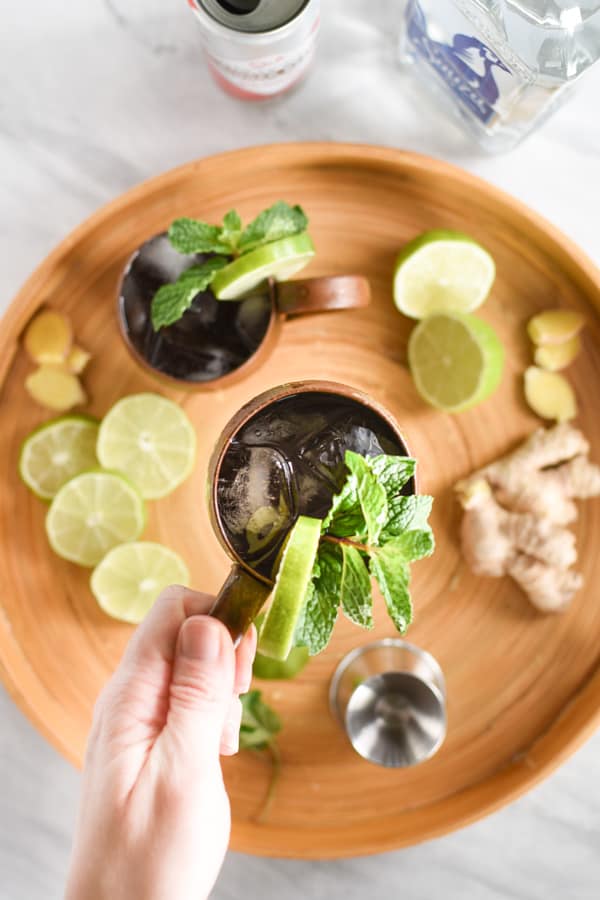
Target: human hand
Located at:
point(154, 820)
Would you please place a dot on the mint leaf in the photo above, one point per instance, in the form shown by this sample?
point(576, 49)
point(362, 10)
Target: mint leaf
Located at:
point(322, 601)
point(406, 514)
point(392, 472)
point(345, 518)
point(279, 221)
point(370, 493)
point(171, 300)
point(193, 236)
point(410, 546)
point(259, 724)
point(393, 576)
point(232, 229)
point(355, 588)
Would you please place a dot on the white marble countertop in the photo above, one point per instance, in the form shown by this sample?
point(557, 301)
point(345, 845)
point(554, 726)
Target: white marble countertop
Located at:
point(98, 96)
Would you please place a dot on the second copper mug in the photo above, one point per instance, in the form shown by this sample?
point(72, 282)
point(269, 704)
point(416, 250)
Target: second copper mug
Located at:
point(216, 343)
point(281, 456)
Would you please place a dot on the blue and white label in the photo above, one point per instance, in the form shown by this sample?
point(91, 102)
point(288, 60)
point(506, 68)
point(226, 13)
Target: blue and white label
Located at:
point(468, 66)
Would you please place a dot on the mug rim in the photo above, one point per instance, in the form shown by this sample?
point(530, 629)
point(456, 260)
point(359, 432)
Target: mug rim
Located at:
point(243, 416)
point(255, 360)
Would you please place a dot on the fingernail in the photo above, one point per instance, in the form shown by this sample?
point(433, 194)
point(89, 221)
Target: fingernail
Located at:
point(201, 639)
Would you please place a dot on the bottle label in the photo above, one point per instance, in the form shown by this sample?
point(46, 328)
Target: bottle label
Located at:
point(470, 68)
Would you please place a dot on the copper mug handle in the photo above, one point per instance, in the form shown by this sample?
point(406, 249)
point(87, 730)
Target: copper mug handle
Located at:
point(326, 294)
point(239, 601)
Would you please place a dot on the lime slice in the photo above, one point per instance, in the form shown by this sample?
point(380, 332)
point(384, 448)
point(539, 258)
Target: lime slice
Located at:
point(91, 514)
point(149, 439)
point(277, 670)
point(56, 452)
point(442, 271)
point(456, 360)
point(280, 260)
point(131, 576)
point(291, 584)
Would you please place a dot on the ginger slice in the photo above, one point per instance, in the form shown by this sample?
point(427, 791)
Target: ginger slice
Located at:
point(77, 359)
point(55, 388)
point(555, 326)
point(554, 357)
point(549, 395)
point(48, 338)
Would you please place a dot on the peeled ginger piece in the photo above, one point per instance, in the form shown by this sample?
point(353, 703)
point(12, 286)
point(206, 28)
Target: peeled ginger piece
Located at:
point(48, 338)
point(549, 395)
point(554, 357)
point(555, 326)
point(77, 359)
point(55, 388)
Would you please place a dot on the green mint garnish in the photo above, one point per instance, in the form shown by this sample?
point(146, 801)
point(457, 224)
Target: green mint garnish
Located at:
point(258, 730)
point(371, 530)
point(355, 587)
point(260, 723)
point(279, 221)
point(172, 300)
point(228, 240)
point(322, 601)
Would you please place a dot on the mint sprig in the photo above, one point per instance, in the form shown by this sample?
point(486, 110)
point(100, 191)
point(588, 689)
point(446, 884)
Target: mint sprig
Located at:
point(372, 530)
point(258, 731)
point(172, 300)
point(260, 724)
point(189, 236)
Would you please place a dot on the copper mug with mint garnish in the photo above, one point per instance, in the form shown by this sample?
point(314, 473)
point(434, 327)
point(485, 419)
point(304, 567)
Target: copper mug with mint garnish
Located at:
point(201, 306)
point(279, 458)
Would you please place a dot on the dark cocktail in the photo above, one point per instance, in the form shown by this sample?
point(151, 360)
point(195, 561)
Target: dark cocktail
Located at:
point(287, 460)
point(211, 340)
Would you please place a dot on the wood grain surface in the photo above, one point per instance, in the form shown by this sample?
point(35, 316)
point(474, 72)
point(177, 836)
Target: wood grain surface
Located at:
point(523, 689)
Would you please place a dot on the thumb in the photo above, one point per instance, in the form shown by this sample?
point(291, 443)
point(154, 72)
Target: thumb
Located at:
point(201, 688)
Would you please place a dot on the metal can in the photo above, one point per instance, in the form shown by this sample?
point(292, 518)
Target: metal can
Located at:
point(258, 48)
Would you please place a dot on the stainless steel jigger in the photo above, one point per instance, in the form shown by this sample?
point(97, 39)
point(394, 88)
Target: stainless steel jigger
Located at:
point(390, 698)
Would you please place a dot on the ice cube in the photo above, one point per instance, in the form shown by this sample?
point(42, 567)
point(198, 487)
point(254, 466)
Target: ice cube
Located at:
point(252, 479)
point(324, 452)
point(252, 320)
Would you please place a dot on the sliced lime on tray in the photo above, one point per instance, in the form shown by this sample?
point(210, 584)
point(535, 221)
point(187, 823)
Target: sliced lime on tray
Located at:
point(279, 259)
point(56, 452)
point(289, 593)
point(442, 271)
point(151, 440)
point(456, 360)
point(91, 514)
point(131, 576)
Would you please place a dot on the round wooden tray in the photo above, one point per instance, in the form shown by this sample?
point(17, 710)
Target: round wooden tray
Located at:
point(523, 688)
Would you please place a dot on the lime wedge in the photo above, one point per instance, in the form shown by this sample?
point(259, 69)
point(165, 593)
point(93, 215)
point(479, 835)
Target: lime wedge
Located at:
point(275, 669)
point(291, 584)
point(280, 670)
point(91, 514)
point(131, 576)
point(56, 452)
point(149, 439)
point(280, 260)
point(442, 271)
point(456, 360)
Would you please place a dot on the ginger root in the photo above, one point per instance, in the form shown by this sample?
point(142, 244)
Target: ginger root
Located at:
point(516, 510)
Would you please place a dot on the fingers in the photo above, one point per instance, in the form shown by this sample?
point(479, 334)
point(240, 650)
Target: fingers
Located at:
point(230, 738)
point(156, 638)
point(201, 689)
point(245, 654)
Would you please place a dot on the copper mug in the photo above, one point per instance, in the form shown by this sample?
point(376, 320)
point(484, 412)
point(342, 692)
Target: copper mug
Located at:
point(245, 590)
point(142, 276)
